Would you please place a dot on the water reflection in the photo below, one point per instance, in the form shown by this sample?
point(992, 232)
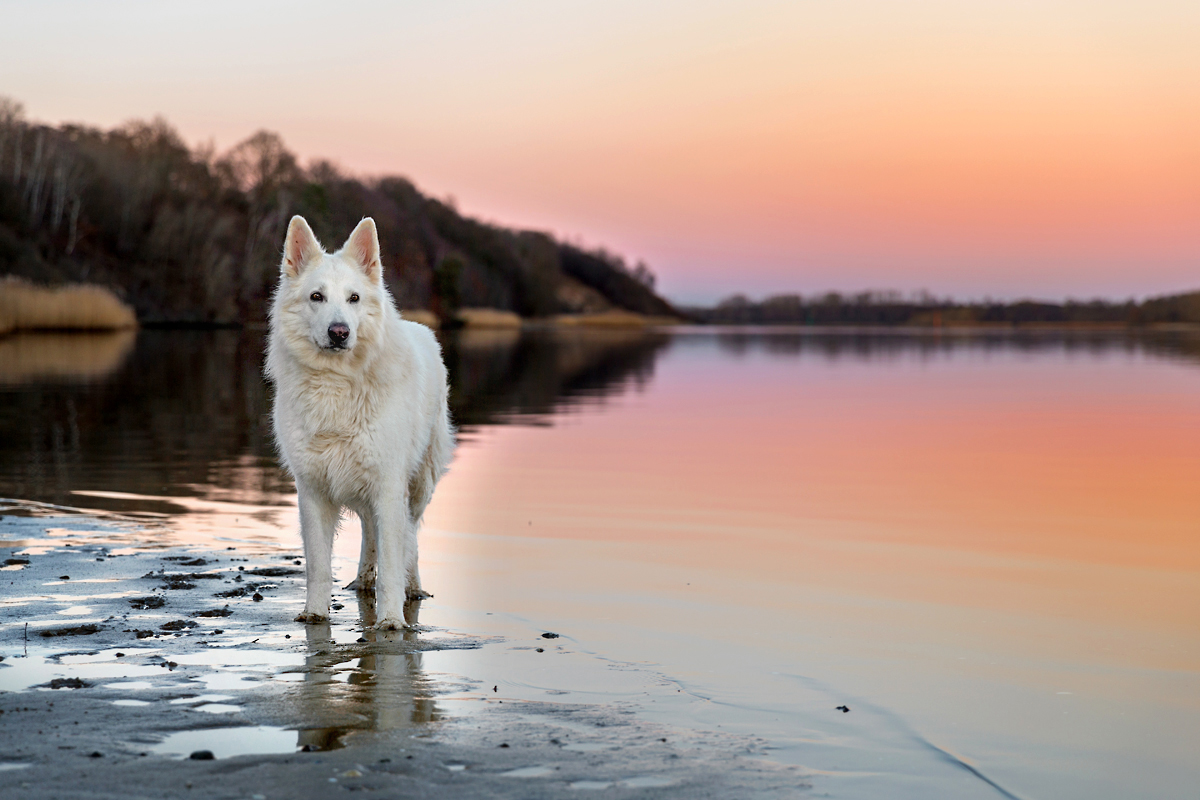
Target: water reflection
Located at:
point(186, 414)
point(499, 376)
point(185, 409)
point(27, 358)
point(988, 536)
point(94, 420)
point(387, 689)
point(875, 345)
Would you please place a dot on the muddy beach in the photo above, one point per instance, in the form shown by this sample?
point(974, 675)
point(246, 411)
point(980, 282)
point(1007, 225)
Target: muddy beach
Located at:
point(136, 670)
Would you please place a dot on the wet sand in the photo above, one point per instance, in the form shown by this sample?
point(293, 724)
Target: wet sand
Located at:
point(122, 658)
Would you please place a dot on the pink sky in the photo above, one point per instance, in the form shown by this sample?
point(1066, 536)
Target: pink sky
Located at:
point(983, 148)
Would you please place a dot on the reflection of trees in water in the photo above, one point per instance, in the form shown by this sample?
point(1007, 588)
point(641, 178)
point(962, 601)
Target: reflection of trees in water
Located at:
point(185, 409)
point(501, 374)
point(884, 345)
point(188, 412)
point(27, 358)
point(385, 690)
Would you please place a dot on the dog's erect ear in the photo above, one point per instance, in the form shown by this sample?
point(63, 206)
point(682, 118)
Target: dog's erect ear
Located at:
point(299, 248)
point(363, 249)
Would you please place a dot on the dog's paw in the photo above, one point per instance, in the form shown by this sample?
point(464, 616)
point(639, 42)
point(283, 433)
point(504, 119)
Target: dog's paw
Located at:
point(390, 624)
point(417, 594)
point(311, 618)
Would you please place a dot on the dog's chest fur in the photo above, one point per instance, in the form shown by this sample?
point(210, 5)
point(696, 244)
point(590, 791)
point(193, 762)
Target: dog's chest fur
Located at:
point(333, 426)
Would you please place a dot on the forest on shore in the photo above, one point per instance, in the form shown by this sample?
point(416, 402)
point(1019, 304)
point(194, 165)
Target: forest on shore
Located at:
point(190, 236)
point(884, 309)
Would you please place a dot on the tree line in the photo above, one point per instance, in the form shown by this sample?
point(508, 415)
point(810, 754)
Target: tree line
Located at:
point(923, 309)
point(189, 235)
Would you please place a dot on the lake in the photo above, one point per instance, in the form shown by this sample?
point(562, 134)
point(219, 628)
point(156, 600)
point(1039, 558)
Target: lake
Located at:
point(985, 545)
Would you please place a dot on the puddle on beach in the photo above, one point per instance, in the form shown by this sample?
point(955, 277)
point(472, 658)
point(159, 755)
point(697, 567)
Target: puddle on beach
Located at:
point(227, 742)
point(983, 545)
point(18, 674)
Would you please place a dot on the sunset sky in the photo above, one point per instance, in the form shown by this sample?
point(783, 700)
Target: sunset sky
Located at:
point(990, 147)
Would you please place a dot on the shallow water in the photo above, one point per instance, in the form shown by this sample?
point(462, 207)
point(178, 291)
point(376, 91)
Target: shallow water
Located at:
point(986, 546)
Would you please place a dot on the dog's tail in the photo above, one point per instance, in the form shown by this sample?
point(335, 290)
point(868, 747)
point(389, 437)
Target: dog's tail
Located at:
point(433, 465)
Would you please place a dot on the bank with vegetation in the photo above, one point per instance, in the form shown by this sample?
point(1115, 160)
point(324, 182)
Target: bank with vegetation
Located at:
point(191, 236)
point(891, 309)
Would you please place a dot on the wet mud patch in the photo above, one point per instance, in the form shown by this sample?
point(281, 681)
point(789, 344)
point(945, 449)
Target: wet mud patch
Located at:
point(177, 625)
point(186, 561)
point(274, 572)
point(177, 584)
point(246, 590)
point(78, 630)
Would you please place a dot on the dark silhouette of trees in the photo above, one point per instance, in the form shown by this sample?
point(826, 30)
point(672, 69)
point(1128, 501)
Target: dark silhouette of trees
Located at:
point(189, 236)
point(608, 275)
point(871, 309)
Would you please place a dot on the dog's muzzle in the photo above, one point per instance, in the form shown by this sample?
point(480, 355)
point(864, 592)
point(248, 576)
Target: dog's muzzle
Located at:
point(338, 332)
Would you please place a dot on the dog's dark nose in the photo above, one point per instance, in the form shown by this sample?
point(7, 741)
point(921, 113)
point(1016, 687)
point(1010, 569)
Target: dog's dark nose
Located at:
point(339, 332)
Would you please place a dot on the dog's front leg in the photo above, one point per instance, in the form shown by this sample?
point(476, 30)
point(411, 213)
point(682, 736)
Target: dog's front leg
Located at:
point(391, 525)
point(318, 522)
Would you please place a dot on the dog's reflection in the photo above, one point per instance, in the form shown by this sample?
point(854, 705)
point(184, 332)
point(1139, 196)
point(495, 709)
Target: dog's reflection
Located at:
point(386, 690)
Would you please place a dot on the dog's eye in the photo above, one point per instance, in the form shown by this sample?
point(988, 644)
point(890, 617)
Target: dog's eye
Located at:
point(316, 297)
point(354, 298)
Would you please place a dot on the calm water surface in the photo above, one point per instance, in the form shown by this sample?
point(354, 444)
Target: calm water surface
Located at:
point(988, 547)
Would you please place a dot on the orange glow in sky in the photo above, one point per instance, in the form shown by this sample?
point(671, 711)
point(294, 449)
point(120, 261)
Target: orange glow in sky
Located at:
point(1003, 148)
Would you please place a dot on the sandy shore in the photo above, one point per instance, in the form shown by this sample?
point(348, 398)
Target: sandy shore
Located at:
point(122, 659)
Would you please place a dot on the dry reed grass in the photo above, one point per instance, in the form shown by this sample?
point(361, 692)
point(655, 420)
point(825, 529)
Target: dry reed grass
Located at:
point(613, 319)
point(26, 306)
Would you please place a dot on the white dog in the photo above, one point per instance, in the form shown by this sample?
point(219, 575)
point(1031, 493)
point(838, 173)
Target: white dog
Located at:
point(360, 414)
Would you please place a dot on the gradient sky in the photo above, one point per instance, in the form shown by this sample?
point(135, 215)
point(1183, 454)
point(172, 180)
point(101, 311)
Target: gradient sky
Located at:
point(982, 147)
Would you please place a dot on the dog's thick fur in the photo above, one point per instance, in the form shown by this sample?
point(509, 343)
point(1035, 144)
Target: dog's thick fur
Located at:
point(360, 414)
